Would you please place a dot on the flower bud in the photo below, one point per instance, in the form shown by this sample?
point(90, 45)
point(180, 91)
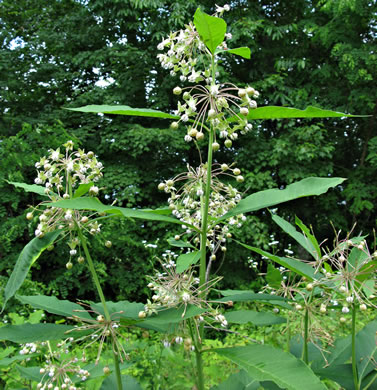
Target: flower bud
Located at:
point(215, 146)
point(250, 91)
point(193, 132)
point(174, 125)
point(80, 259)
point(65, 196)
point(298, 307)
point(309, 286)
point(177, 90)
point(93, 190)
point(161, 186)
point(84, 219)
point(29, 216)
point(224, 167)
point(244, 111)
point(228, 143)
point(240, 178)
point(236, 171)
point(142, 314)
point(323, 309)
point(100, 318)
point(342, 320)
point(106, 370)
point(69, 265)
point(108, 244)
point(242, 93)
point(72, 252)
point(213, 257)
point(199, 136)
point(363, 307)
point(211, 113)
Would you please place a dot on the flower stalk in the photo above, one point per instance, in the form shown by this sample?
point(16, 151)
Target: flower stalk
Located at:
point(103, 301)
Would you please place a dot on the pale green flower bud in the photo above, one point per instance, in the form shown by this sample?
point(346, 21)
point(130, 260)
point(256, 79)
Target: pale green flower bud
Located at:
point(177, 90)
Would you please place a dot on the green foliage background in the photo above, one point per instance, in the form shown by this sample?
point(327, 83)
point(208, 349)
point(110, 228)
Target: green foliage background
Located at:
point(59, 54)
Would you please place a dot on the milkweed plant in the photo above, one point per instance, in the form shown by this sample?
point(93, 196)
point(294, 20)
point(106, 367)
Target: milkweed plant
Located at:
point(185, 302)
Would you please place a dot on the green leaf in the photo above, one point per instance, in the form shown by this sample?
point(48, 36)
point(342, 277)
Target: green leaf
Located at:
point(307, 187)
point(31, 373)
point(168, 320)
point(294, 265)
point(179, 243)
point(300, 238)
point(265, 363)
point(27, 257)
point(82, 190)
point(243, 296)
point(89, 203)
point(276, 112)
point(239, 381)
point(29, 187)
point(184, 261)
point(124, 110)
point(255, 317)
point(273, 277)
point(28, 333)
point(240, 51)
point(120, 309)
point(210, 28)
point(128, 382)
point(311, 238)
point(6, 362)
point(54, 305)
point(341, 374)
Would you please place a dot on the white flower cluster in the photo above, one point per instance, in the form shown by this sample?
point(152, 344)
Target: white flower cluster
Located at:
point(173, 289)
point(29, 348)
point(59, 370)
point(59, 171)
point(186, 203)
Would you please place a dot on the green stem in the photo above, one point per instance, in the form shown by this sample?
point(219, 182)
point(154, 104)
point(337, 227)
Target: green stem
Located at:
point(198, 355)
point(354, 365)
point(103, 301)
point(305, 355)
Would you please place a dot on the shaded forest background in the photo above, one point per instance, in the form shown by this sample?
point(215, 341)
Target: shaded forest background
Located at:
point(57, 54)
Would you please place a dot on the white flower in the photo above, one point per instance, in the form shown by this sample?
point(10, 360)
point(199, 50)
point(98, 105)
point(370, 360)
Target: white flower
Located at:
point(345, 309)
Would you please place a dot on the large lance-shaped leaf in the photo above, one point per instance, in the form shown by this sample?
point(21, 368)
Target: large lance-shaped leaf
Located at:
point(90, 203)
point(299, 237)
point(277, 112)
point(265, 363)
point(255, 317)
point(306, 187)
point(27, 257)
point(297, 266)
point(244, 296)
point(29, 333)
point(210, 28)
point(55, 306)
point(124, 110)
point(29, 187)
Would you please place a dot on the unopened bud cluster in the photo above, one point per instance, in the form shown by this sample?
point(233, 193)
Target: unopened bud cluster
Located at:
point(186, 203)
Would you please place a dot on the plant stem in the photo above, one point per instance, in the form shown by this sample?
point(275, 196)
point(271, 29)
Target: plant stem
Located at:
point(103, 301)
point(305, 355)
point(198, 355)
point(354, 365)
